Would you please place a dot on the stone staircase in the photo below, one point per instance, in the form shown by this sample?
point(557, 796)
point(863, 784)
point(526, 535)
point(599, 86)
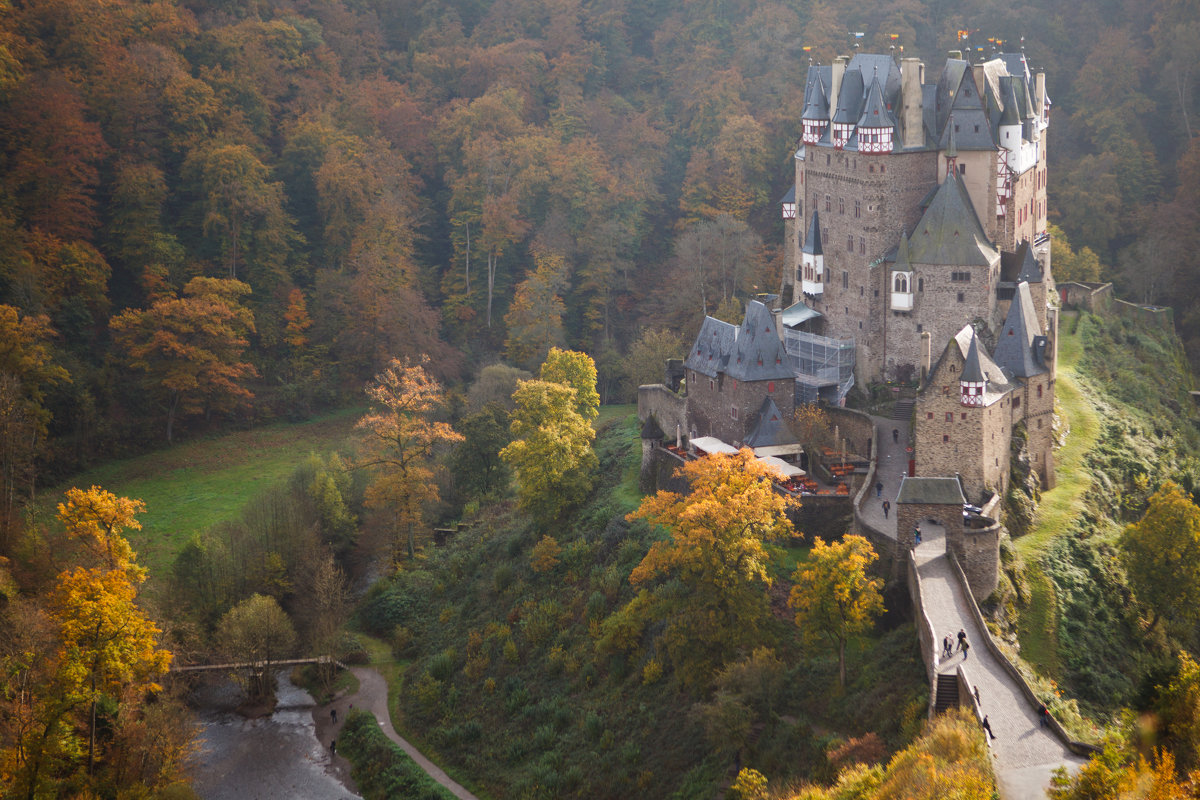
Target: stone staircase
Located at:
point(947, 693)
point(903, 410)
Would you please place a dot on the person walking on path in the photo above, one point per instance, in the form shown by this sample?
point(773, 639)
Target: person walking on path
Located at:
point(879, 488)
point(988, 727)
point(917, 534)
point(977, 700)
point(946, 645)
point(333, 748)
point(965, 647)
point(1043, 715)
point(333, 715)
point(962, 637)
point(896, 435)
point(886, 508)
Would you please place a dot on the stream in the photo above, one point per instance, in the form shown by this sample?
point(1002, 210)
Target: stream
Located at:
point(268, 758)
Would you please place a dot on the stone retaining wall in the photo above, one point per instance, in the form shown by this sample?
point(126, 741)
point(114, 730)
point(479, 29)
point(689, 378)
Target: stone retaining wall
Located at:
point(925, 633)
point(667, 407)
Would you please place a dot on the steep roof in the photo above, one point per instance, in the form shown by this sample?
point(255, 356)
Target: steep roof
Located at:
point(812, 242)
point(758, 355)
point(875, 113)
point(1021, 347)
point(771, 429)
point(711, 350)
point(949, 232)
point(996, 382)
point(1031, 268)
point(850, 98)
point(816, 98)
point(973, 368)
point(749, 352)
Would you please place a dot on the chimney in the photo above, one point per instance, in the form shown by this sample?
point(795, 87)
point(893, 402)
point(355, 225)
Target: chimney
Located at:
point(839, 69)
point(912, 114)
point(1039, 95)
point(955, 54)
point(979, 75)
point(926, 354)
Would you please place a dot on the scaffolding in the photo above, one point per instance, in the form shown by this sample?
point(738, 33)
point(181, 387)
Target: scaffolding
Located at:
point(824, 367)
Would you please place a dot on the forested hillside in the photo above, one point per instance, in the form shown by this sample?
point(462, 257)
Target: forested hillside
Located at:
point(230, 211)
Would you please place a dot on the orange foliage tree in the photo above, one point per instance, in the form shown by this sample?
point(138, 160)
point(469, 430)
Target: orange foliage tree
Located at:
point(717, 550)
point(190, 348)
point(400, 437)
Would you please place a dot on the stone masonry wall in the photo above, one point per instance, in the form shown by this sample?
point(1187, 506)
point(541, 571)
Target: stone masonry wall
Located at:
point(711, 407)
point(667, 407)
point(888, 190)
point(854, 426)
point(978, 554)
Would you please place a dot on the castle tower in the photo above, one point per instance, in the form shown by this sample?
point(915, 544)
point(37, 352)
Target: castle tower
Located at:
point(876, 126)
point(812, 260)
point(972, 382)
point(816, 111)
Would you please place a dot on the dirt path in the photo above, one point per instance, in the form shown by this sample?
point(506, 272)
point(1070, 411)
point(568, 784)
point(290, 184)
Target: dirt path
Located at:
point(372, 695)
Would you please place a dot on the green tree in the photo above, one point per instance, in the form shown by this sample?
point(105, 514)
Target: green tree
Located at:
point(833, 596)
point(716, 549)
point(551, 452)
point(476, 463)
point(577, 370)
point(257, 630)
point(1161, 553)
point(189, 348)
point(535, 318)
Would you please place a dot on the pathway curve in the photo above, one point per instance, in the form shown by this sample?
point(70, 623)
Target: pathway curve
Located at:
point(1025, 754)
point(372, 695)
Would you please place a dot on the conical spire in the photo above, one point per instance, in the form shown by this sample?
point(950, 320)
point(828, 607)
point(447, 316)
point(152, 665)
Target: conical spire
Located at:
point(816, 104)
point(1011, 115)
point(812, 242)
point(973, 369)
point(875, 113)
point(902, 259)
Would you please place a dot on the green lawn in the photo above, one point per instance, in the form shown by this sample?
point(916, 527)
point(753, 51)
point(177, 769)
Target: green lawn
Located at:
point(193, 486)
point(1059, 506)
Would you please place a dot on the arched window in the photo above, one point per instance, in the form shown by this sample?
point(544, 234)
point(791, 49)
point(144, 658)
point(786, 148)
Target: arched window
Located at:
point(900, 282)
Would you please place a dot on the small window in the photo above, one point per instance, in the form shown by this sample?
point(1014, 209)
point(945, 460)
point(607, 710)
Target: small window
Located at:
point(770, 387)
point(845, 281)
point(857, 209)
point(920, 328)
point(1039, 387)
point(920, 284)
point(977, 129)
point(733, 412)
point(850, 244)
point(841, 205)
point(828, 202)
point(862, 245)
point(964, 414)
point(827, 164)
point(1016, 402)
point(1039, 424)
point(945, 437)
point(949, 416)
point(961, 297)
point(711, 386)
point(883, 167)
point(962, 168)
point(945, 391)
point(871, 168)
point(929, 415)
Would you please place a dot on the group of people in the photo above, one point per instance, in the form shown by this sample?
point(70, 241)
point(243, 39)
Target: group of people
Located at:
point(948, 643)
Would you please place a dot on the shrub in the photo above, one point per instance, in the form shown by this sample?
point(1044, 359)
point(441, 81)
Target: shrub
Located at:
point(380, 768)
point(502, 578)
point(402, 638)
point(544, 556)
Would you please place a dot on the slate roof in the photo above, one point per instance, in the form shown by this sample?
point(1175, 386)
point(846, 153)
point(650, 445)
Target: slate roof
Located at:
point(1021, 347)
point(749, 352)
point(996, 382)
point(816, 97)
point(1020, 265)
point(790, 197)
point(798, 313)
point(943, 491)
point(949, 232)
point(771, 429)
point(973, 369)
point(875, 113)
point(812, 241)
point(850, 98)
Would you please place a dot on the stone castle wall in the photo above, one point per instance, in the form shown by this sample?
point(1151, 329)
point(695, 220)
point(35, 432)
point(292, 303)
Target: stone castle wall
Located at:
point(668, 408)
point(711, 404)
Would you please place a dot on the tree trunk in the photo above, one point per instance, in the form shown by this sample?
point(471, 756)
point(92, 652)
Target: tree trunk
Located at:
point(491, 270)
point(171, 416)
point(468, 270)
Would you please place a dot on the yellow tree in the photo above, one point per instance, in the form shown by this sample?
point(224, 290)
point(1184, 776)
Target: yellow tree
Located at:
point(106, 647)
point(1161, 553)
point(577, 370)
point(400, 437)
point(551, 452)
point(718, 532)
point(833, 596)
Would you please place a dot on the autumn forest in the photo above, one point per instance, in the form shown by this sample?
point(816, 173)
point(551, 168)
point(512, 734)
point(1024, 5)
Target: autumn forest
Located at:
point(216, 214)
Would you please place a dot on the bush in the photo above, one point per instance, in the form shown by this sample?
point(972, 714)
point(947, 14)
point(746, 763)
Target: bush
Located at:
point(380, 768)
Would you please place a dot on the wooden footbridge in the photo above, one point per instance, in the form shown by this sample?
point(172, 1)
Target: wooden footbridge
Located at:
point(258, 665)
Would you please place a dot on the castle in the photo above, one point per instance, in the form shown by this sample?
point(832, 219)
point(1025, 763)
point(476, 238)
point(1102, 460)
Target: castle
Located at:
point(917, 254)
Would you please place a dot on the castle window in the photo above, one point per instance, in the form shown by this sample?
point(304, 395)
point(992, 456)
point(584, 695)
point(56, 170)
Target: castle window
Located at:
point(961, 297)
point(977, 129)
point(846, 278)
point(857, 209)
point(954, 367)
point(920, 327)
point(862, 245)
point(929, 415)
point(883, 167)
point(962, 168)
point(945, 437)
point(1039, 390)
point(841, 205)
point(945, 390)
point(1016, 402)
point(827, 164)
point(1039, 424)
point(961, 277)
point(770, 387)
point(861, 291)
point(949, 416)
point(871, 168)
point(711, 385)
point(733, 412)
point(964, 415)
point(828, 202)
